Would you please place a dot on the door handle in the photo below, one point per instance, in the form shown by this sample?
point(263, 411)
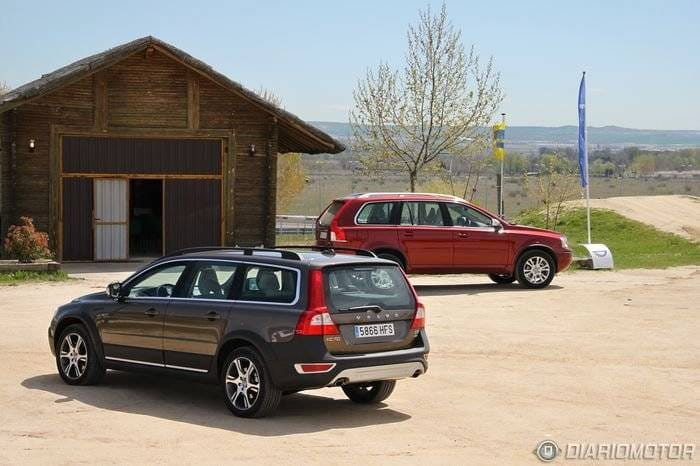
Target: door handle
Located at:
point(463, 235)
point(151, 312)
point(213, 315)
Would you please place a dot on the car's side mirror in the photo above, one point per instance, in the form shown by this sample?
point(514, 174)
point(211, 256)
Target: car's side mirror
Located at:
point(114, 290)
point(497, 226)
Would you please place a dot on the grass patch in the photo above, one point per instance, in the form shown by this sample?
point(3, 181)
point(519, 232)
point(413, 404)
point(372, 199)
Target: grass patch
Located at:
point(15, 278)
point(633, 244)
point(295, 239)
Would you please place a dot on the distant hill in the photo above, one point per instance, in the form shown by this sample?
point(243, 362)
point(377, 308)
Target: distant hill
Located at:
point(541, 135)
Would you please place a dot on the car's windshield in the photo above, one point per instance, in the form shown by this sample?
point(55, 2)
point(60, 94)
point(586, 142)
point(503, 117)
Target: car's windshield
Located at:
point(349, 287)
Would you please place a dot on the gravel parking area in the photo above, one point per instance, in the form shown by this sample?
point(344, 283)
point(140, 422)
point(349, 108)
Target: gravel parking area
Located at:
point(596, 357)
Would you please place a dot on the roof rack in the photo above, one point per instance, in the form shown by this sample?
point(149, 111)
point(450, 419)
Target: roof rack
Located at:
point(331, 250)
point(284, 254)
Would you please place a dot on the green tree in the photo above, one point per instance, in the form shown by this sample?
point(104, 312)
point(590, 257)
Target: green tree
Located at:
point(291, 176)
point(644, 164)
point(434, 106)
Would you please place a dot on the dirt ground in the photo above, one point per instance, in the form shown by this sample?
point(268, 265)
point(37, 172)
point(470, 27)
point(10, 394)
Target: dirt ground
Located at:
point(596, 357)
point(677, 214)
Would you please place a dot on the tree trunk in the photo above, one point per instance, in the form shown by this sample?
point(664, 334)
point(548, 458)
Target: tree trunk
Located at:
point(413, 176)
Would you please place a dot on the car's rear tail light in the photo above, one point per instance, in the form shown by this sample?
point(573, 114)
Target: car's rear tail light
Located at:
point(419, 319)
point(336, 233)
point(316, 320)
point(314, 368)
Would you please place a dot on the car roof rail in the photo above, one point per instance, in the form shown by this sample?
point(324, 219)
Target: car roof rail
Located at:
point(284, 254)
point(331, 250)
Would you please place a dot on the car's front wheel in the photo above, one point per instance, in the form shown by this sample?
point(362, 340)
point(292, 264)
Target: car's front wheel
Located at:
point(76, 359)
point(535, 269)
point(369, 392)
point(247, 386)
point(501, 279)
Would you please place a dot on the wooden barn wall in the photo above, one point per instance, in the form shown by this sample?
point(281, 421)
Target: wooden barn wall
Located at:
point(219, 109)
point(5, 170)
point(70, 105)
point(148, 92)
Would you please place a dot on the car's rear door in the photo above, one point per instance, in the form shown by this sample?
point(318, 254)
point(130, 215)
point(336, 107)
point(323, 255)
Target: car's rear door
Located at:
point(196, 320)
point(425, 236)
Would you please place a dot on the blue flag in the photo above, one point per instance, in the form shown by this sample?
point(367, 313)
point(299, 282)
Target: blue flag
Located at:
point(582, 148)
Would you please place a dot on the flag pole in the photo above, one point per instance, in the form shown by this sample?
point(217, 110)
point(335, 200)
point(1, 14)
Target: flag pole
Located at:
point(588, 180)
point(501, 206)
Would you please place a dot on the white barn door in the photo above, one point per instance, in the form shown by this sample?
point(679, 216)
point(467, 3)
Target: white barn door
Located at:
point(111, 219)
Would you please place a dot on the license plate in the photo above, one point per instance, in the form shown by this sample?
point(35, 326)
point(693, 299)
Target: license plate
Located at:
point(375, 330)
point(323, 234)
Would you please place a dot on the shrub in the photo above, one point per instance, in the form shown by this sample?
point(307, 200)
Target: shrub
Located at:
point(26, 244)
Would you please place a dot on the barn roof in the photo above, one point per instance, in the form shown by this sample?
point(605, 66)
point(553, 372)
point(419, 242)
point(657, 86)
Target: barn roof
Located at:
point(295, 135)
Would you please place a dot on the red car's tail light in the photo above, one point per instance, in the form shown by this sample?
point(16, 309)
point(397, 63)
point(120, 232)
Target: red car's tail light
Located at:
point(316, 320)
point(419, 319)
point(336, 233)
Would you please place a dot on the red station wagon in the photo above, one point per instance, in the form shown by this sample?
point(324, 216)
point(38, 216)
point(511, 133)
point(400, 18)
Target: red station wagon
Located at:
point(434, 233)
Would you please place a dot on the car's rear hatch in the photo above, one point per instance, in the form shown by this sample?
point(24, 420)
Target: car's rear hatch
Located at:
point(325, 222)
point(372, 305)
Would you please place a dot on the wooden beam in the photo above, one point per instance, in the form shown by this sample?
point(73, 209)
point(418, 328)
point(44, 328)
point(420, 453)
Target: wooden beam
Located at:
point(192, 101)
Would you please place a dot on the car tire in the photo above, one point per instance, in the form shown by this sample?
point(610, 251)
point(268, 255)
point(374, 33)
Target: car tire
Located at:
point(535, 269)
point(392, 257)
point(246, 384)
point(501, 279)
point(369, 392)
point(76, 359)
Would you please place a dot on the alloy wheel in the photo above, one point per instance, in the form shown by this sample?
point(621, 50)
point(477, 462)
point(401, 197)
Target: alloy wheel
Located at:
point(242, 383)
point(536, 270)
point(73, 356)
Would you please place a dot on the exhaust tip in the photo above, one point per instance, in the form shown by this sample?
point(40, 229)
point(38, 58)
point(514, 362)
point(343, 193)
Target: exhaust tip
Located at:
point(417, 373)
point(341, 381)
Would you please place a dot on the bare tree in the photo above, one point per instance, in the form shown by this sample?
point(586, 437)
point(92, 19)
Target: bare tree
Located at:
point(555, 184)
point(433, 107)
point(4, 88)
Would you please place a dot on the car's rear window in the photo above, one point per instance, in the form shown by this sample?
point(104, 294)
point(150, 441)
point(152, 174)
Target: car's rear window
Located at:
point(349, 287)
point(327, 216)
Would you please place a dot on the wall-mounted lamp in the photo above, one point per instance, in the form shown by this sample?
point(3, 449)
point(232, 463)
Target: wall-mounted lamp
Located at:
point(32, 145)
point(251, 150)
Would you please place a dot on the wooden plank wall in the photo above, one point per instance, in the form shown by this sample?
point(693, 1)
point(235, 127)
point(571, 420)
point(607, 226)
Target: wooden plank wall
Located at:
point(147, 90)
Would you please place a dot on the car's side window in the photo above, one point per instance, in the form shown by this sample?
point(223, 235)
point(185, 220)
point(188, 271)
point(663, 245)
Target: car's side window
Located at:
point(463, 216)
point(376, 213)
point(160, 283)
point(421, 213)
point(269, 284)
point(212, 280)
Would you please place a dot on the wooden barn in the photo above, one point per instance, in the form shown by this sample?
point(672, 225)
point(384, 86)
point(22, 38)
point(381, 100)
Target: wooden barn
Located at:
point(142, 150)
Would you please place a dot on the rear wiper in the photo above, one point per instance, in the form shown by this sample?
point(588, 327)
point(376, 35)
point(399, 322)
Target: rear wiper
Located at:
point(371, 307)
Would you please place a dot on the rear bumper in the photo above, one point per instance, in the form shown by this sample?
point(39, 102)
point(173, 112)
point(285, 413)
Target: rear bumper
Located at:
point(365, 367)
point(384, 372)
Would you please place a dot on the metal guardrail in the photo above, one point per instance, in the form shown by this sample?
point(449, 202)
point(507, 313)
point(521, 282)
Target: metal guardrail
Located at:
point(296, 224)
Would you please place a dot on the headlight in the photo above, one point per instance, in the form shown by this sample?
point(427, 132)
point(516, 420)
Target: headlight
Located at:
point(564, 242)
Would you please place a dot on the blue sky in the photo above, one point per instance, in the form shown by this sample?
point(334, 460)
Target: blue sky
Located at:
point(641, 56)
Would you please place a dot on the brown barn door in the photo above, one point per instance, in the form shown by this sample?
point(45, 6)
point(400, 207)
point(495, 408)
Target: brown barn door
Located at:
point(192, 213)
point(77, 219)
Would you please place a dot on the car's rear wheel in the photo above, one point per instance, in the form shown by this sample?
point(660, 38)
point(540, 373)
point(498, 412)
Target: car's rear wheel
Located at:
point(392, 257)
point(369, 392)
point(246, 383)
point(76, 359)
point(501, 279)
point(535, 269)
